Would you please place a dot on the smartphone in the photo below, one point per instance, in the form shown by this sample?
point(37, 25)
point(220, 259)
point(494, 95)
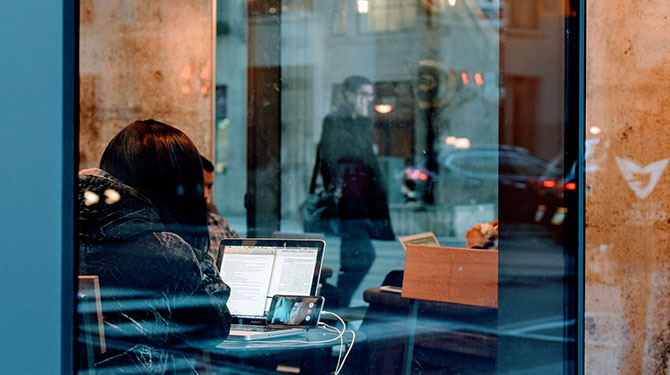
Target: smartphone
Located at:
point(298, 311)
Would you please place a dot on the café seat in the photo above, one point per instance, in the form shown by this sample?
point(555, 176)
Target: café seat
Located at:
point(449, 336)
point(91, 344)
point(444, 320)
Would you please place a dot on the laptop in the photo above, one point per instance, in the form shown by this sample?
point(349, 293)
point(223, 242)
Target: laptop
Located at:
point(257, 269)
point(426, 238)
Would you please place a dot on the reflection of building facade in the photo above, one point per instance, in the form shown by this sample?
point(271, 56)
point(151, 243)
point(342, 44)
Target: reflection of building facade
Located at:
point(435, 67)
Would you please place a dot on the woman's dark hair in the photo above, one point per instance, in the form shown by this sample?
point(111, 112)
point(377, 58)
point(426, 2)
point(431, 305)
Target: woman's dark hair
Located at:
point(353, 83)
point(206, 164)
point(162, 163)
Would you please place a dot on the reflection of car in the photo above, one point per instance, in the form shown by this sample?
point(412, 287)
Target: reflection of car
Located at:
point(513, 165)
point(505, 174)
point(553, 192)
point(415, 183)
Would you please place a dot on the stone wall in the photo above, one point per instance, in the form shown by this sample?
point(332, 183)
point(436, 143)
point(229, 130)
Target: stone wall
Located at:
point(628, 195)
point(145, 59)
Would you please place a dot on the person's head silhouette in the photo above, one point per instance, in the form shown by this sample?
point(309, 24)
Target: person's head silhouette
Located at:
point(358, 95)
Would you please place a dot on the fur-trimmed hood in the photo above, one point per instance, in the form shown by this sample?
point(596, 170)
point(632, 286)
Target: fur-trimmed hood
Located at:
point(110, 210)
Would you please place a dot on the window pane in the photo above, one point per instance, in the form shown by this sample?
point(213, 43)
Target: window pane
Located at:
point(424, 141)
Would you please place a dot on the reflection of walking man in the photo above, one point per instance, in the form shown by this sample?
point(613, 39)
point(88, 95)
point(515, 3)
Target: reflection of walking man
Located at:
point(349, 168)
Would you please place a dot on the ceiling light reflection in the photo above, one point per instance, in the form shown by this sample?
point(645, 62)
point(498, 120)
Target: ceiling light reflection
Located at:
point(383, 108)
point(363, 6)
point(462, 143)
point(204, 74)
point(185, 72)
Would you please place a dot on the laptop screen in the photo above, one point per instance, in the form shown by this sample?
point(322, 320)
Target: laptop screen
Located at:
point(257, 269)
point(426, 238)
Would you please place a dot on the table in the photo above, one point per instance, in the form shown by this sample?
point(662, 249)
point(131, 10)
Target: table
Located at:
point(306, 353)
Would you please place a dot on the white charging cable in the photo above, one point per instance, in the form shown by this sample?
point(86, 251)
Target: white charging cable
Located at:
point(340, 334)
point(334, 329)
point(341, 360)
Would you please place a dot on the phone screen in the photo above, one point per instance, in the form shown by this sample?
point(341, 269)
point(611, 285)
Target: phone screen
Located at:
point(295, 310)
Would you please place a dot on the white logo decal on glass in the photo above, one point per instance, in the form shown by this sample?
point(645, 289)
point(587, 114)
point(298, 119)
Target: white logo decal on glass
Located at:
point(594, 159)
point(636, 175)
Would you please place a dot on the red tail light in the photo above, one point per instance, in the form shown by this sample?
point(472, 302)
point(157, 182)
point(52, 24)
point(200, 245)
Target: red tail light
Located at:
point(570, 186)
point(548, 183)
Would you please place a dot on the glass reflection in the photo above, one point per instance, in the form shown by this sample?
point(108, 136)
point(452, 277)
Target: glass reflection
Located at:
point(441, 117)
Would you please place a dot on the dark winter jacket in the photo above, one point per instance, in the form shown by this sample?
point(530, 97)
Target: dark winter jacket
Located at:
point(350, 170)
point(158, 299)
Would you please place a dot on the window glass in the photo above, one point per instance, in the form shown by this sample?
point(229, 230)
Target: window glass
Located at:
point(424, 116)
point(386, 15)
point(421, 115)
point(423, 141)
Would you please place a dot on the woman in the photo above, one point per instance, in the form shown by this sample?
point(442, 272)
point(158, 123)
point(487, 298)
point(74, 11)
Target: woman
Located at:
point(143, 232)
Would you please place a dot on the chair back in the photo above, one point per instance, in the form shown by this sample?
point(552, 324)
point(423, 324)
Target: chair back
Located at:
point(91, 331)
point(449, 274)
